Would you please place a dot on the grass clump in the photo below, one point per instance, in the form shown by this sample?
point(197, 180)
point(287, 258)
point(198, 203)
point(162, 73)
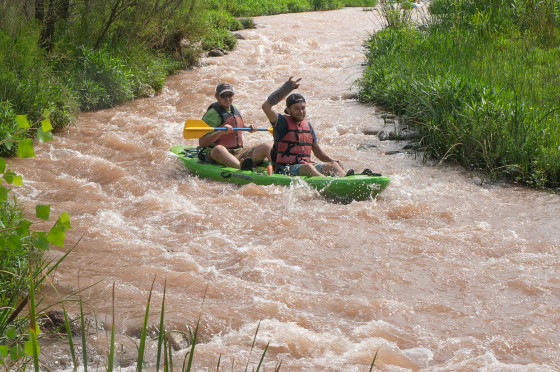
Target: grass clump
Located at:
point(480, 93)
point(360, 3)
point(219, 38)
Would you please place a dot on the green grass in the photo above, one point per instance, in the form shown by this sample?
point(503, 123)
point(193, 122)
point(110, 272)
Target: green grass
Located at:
point(18, 256)
point(360, 3)
point(486, 100)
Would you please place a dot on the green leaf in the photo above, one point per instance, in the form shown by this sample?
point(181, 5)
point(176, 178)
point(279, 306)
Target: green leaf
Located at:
point(2, 165)
point(43, 136)
point(14, 242)
point(12, 178)
point(4, 351)
point(56, 236)
point(21, 121)
point(23, 227)
point(28, 348)
point(43, 211)
point(46, 125)
point(46, 113)
point(8, 142)
point(16, 353)
point(28, 345)
point(17, 180)
point(41, 243)
point(25, 148)
point(8, 176)
point(11, 333)
point(64, 221)
point(3, 193)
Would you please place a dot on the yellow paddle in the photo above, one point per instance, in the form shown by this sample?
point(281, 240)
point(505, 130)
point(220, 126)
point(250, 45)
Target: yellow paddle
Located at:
point(198, 128)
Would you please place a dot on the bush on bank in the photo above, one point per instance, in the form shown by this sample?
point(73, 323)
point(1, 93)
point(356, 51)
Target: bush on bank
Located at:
point(480, 92)
point(67, 55)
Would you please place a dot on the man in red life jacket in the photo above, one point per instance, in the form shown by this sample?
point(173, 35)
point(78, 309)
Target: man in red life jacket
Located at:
point(226, 146)
point(295, 139)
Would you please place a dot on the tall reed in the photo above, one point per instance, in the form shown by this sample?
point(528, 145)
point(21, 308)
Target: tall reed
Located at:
point(487, 103)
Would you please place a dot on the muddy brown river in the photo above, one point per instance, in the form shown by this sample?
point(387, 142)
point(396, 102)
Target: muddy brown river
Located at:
point(438, 273)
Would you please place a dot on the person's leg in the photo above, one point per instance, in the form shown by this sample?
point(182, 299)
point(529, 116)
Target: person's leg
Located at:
point(308, 170)
point(221, 155)
point(333, 169)
point(257, 153)
point(261, 152)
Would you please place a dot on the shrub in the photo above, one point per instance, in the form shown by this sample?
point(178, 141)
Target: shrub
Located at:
point(147, 67)
point(326, 4)
point(297, 6)
point(359, 3)
point(100, 79)
point(8, 127)
point(247, 22)
point(219, 39)
point(27, 81)
point(251, 8)
point(220, 18)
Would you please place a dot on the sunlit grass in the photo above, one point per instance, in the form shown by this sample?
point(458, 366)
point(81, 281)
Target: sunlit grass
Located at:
point(487, 103)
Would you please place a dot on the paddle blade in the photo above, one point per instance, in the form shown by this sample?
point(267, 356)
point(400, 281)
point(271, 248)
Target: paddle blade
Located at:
point(195, 129)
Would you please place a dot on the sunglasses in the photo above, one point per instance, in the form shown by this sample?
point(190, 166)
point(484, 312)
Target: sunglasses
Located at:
point(226, 95)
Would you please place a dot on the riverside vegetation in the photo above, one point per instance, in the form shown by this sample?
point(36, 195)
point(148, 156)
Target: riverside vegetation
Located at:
point(63, 57)
point(478, 80)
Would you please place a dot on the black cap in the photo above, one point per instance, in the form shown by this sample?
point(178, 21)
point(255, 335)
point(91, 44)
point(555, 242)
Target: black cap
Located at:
point(223, 88)
point(294, 98)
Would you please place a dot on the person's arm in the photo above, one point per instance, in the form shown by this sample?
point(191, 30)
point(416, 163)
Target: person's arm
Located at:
point(209, 138)
point(322, 155)
point(276, 97)
point(213, 119)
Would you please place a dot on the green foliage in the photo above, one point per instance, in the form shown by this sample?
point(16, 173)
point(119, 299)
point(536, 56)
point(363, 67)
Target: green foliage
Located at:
point(22, 268)
point(537, 20)
point(326, 4)
point(360, 3)
point(27, 82)
point(86, 66)
point(397, 13)
point(100, 79)
point(219, 38)
point(247, 22)
point(251, 8)
point(150, 68)
point(8, 128)
point(222, 19)
point(488, 103)
point(101, 54)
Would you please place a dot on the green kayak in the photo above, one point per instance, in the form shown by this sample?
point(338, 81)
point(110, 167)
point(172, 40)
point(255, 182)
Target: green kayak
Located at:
point(356, 187)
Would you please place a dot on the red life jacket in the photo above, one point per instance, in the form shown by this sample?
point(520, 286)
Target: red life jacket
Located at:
point(295, 146)
point(235, 139)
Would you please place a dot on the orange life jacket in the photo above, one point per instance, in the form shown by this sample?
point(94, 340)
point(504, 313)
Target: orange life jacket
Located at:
point(231, 140)
point(295, 146)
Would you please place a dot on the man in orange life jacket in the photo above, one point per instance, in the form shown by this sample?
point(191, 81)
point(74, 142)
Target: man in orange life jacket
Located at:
point(226, 146)
point(295, 139)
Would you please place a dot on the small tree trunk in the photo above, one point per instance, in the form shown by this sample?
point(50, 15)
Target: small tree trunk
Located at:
point(46, 40)
point(63, 9)
point(39, 10)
